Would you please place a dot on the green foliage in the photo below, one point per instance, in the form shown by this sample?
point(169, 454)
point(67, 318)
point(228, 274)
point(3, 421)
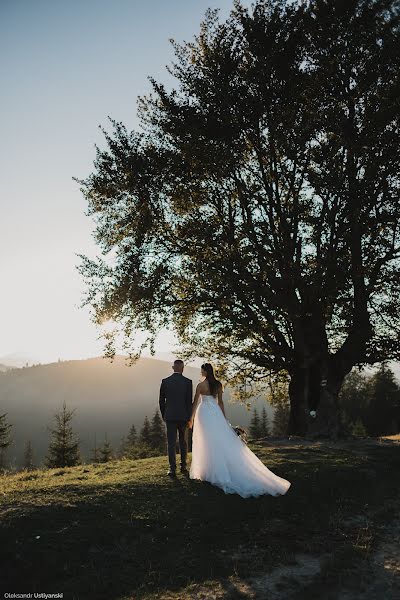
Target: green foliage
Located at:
point(354, 397)
point(157, 433)
point(264, 424)
point(373, 400)
point(123, 448)
point(143, 450)
point(128, 444)
point(132, 436)
point(254, 428)
point(64, 445)
point(145, 433)
point(95, 458)
point(257, 211)
point(150, 442)
point(5, 431)
point(5, 437)
point(283, 118)
point(259, 426)
point(281, 419)
point(105, 451)
point(358, 429)
point(383, 417)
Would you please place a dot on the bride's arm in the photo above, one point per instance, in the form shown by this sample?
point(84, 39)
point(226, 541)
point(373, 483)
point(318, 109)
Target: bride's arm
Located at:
point(195, 403)
point(220, 401)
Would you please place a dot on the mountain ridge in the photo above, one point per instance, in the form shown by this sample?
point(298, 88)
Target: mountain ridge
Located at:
point(107, 397)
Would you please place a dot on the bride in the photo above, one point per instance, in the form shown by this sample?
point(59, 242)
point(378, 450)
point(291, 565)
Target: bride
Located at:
point(218, 453)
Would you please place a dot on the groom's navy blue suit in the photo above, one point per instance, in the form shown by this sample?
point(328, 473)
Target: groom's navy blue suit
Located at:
point(176, 393)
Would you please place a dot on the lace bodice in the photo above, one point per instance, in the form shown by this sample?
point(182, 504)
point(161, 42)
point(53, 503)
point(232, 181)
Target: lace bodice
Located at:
point(209, 398)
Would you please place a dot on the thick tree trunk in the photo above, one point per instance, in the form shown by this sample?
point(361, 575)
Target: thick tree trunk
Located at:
point(313, 394)
point(326, 422)
point(298, 393)
point(316, 377)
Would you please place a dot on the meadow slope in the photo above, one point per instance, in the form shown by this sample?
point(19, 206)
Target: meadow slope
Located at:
point(123, 530)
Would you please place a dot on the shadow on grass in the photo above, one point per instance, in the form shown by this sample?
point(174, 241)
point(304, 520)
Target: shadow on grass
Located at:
point(131, 538)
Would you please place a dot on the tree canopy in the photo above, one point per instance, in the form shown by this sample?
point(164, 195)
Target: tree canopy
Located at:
point(256, 211)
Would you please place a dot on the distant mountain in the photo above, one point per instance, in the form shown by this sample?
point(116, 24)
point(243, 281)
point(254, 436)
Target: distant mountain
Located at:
point(108, 398)
point(170, 357)
point(18, 359)
point(5, 368)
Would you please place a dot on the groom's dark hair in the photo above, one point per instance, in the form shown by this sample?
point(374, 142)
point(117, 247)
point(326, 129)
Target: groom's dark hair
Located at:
point(178, 365)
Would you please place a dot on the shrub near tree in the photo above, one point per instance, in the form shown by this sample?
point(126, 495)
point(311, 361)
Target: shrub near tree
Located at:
point(358, 429)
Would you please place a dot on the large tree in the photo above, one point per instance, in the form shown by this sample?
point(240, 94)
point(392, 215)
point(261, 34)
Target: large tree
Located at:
point(256, 212)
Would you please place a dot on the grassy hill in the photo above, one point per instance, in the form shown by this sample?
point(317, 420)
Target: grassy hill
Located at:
point(108, 398)
point(123, 530)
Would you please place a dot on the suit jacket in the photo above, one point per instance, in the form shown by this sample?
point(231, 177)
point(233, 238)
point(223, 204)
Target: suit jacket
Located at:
point(176, 394)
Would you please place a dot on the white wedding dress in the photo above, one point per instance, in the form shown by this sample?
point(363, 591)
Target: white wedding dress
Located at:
point(220, 457)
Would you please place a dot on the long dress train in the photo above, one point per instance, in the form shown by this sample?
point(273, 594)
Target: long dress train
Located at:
point(220, 457)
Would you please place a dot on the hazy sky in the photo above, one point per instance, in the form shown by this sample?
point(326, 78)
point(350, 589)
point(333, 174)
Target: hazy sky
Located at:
point(65, 66)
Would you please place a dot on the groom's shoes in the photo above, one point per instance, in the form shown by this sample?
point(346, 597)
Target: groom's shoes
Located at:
point(171, 473)
point(184, 471)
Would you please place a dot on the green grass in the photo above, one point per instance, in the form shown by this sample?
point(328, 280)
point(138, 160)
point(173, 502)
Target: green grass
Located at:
point(124, 530)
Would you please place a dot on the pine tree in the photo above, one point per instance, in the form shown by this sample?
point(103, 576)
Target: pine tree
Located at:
point(5, 438)
point(95, 458)
point(254, 429)
point(281, 419)
point(382, 409)
point(128, 444)
point(354, 397)
point(132, 436)
point(64, 445)
point(264, 425)
point(28, 456)
point(123, 449)
point(358, 429)
point(145, 433)
point(106, 453)
point(157, 432)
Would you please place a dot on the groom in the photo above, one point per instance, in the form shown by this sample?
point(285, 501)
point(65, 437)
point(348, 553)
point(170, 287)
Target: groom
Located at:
point(176, 392)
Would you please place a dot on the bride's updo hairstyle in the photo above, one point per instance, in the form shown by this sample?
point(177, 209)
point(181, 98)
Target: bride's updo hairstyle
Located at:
point(213, 383)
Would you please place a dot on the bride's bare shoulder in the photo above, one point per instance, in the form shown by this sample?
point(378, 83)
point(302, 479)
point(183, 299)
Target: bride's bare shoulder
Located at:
point(202, 386)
